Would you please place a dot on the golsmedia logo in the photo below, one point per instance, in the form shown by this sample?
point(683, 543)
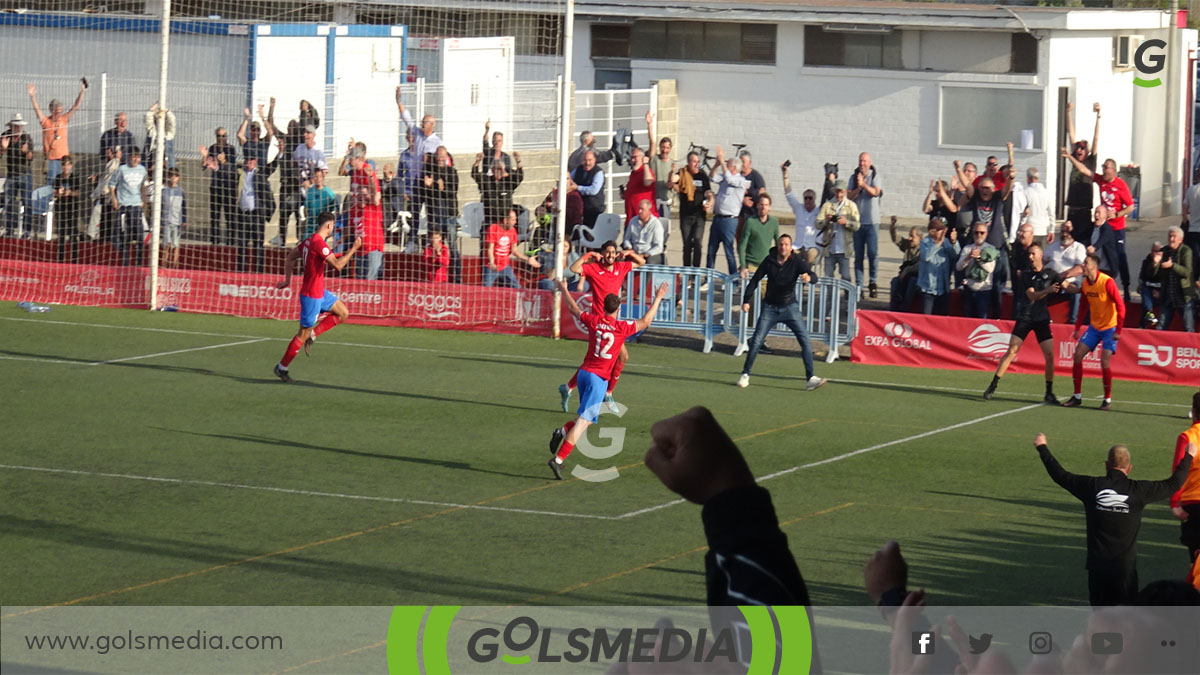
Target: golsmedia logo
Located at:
point(1150, 63)
point(523, 640)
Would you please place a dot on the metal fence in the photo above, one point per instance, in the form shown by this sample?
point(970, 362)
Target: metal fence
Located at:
point(604, 112)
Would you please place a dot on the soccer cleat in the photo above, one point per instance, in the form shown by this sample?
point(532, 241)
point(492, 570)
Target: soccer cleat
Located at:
point(743, 381)
point(815, 382)
point(611, 404)
point(282, 373)
point(1106, 404)
point(565, 392)
point(556, 468)
point(1051, 399)
point(987, 393)
point(874, 290)
point(556, 440)
point(308, 345)
point(1073, 402)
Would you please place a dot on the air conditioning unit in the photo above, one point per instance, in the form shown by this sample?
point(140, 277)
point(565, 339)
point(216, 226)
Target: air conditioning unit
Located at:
point(1124, 47)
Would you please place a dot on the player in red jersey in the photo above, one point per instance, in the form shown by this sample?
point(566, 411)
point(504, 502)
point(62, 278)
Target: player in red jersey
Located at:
point(605, 272)
point(607, 334)
point(314, 299)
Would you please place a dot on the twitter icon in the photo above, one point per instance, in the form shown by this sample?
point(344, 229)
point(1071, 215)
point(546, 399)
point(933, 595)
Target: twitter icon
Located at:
point(980, 644)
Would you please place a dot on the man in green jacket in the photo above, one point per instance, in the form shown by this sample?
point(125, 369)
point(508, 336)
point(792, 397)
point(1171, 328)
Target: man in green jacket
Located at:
point(758, 237)
point(1176, 274)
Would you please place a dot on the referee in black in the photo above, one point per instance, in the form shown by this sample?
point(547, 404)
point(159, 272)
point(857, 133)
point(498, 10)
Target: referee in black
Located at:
point(1039, 284)
point(1113, 505)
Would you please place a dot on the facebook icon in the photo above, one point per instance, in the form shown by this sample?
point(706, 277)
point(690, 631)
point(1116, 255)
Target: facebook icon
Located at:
point(922, 643)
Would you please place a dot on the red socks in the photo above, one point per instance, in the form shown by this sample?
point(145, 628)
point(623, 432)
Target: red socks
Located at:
point(1077, 376)
point(1107, 372)
point(328, 322)
point(292, 350)
point(567, 446)
point(616, 374)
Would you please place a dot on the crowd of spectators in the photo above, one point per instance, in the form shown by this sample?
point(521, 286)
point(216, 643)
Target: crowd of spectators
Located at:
point(974, 243)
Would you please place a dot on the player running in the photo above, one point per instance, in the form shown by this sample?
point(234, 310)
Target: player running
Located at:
point(606, 337)
point(314, 299)
point(605, 273)
point(1107, 315)
point(1033, 317)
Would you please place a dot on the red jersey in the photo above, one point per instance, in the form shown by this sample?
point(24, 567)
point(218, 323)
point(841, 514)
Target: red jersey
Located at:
point(437, 263)
point(605, 282)
point(504, 240)
point(606, 336)
point(636, 191)
point(1116, 196)
point(368, 218)
point(313, 252)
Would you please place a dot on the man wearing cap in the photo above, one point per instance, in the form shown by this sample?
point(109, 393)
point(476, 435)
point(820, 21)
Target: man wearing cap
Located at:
point(427, 142)
point(54, 129)
point(837, 221)
point(18, 160)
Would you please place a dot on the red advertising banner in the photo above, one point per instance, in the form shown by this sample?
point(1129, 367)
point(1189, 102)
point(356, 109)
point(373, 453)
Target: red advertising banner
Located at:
point(902, 339)
point(392, 303)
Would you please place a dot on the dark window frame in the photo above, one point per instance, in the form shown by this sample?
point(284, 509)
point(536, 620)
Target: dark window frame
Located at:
point(758, 44)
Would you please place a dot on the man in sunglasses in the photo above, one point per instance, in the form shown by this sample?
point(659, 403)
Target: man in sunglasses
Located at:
point(221, 158)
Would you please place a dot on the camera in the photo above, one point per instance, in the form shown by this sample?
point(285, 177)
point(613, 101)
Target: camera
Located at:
point(787, 163)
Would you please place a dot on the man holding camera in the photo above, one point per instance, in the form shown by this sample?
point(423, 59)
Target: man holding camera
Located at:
point(17, 147)
point(836, 221)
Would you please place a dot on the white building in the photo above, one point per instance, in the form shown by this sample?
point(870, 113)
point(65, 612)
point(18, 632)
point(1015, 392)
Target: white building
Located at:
point(915, 84)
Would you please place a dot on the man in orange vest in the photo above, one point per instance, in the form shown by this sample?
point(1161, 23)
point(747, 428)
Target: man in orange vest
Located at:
point(1185, 504)
point(1107, 315)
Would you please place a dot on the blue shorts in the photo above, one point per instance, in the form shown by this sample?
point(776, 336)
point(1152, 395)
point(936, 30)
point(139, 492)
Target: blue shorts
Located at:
point(592, 389)
point(1093, 337)
point(311, 308)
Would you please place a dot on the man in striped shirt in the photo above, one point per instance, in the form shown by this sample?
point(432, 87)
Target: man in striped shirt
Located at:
point(1107, 315)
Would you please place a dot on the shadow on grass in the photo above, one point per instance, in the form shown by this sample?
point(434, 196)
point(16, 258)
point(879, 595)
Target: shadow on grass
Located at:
point(282, 443)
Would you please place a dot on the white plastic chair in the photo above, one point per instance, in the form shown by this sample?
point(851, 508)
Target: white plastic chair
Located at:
point(41, 205)
point(470, 223)
point(607, 227)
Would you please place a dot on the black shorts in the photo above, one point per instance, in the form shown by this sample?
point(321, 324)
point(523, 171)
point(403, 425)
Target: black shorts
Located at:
point(1041, 330)
point(1189, 534)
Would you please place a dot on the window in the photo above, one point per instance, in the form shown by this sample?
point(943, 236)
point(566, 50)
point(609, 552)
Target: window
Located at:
point(1024, 53)
point(609, 41)
point(858, 50)
point(990, 116)
point(713, 41)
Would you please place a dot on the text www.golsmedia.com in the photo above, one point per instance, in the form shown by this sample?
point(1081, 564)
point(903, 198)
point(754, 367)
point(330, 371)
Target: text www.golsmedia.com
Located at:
point(129, 641)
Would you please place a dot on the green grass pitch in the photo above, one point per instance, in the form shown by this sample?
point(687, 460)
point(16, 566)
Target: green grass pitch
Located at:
point(153, 459)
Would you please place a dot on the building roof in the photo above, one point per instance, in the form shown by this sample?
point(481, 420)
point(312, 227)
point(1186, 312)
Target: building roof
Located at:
point(882, 12)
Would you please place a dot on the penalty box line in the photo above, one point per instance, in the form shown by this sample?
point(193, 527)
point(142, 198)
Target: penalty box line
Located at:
point(299, 492)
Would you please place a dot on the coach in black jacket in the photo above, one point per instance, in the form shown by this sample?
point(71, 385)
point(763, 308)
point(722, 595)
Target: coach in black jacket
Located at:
point(1113, 504)
point(783, 269)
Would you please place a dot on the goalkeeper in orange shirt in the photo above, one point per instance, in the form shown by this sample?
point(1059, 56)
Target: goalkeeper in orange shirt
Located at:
point(1185, 503)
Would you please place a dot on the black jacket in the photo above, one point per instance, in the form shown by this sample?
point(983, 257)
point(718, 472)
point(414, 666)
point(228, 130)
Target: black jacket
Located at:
point(1106, 248)
point(264, 201)
point(496, 195)
point(781, 279)
point(1113, 504)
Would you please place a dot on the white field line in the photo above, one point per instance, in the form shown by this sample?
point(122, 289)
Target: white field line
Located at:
point(177, 351)
point(634, 366)
point(303, 493)
point(35, 358)
point(847, 455)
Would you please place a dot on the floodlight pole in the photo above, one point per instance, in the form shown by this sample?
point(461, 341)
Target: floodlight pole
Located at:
point(564, 146)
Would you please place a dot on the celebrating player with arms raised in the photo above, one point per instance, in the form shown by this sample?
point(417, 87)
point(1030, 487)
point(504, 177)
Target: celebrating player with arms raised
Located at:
point(314, 299)
point(606, 339)
point(605, 273)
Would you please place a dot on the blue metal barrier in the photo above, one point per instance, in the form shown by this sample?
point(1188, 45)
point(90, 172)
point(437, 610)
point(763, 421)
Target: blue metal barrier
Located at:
point(827, 309)
point(688, 304)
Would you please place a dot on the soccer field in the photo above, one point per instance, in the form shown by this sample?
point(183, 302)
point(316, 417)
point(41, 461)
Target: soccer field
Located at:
point(153, 459)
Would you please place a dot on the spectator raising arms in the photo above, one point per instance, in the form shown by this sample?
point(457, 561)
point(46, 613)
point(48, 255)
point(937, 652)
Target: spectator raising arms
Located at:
point(497, 188)
point(54, 129)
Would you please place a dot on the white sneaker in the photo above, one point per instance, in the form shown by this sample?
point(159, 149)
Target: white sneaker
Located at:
point(278, 241)
point(815, 382)
point(743, 381)
point(704, 287)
